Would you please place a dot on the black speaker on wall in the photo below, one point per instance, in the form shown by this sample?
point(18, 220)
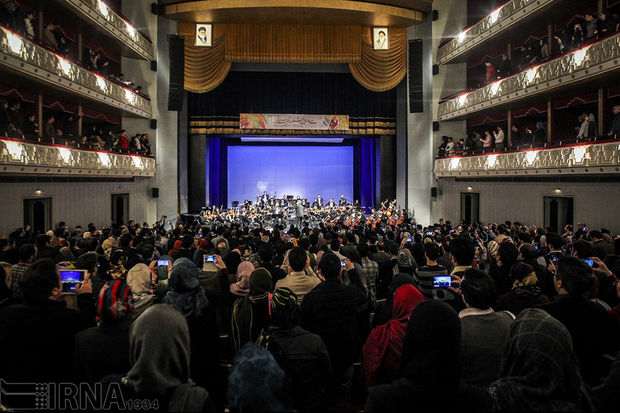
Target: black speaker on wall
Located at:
point(435, 15)
point(434, 192)
point(155, 192)
point(154, 65)
point(153, 123)
point(415, 76)
point(435, 126)
point(176, 89)
point(435, 70)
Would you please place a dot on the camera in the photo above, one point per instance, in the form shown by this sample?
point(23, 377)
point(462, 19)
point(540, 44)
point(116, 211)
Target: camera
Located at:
point(70, 279)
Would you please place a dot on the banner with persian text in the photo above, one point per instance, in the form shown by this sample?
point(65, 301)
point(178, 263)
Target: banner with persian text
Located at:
point(295, 122)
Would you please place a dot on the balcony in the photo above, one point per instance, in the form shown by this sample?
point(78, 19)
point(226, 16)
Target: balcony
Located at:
point(578, 159)
point(99, 19)
point(23, 157)
point(495, 28)
point(19, 56)
point(595, 61)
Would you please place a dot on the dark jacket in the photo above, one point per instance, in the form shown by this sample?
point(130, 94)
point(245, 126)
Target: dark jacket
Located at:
point(277, 273)
point(593, 331)
point(37, 341)
point(501, 276)
point(305, 360)
point(100, 351)
point(329, 310)
point(603, 249)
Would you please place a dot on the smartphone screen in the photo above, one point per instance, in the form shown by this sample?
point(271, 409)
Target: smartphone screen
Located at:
point(210, 258)
point(343, 264)
point(442, 281)
point(70, 279)
point(589, 262)
point(408, 239)
point(162, 263)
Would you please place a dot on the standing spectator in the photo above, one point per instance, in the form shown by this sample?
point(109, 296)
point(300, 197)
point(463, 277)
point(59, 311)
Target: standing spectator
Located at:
point(29, 28)
point(499, 139)
point(504, 68)
point(26, 256)
point(540, 134)
point(123, 141)
point(516, 137)
point(583, 129)
point(487, 140)
point(450, 146)
point(31, 127)
point(601, 25)
point(545, 51)
point(49, 39)
point(50, 130)
point(577, 37)
point(615, 123)
point(489, 71)
point(5, 118)
point(250, 314)
point(591, 26)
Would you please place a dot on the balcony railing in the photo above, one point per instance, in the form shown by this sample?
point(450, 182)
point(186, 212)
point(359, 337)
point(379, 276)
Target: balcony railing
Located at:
point(23, 157)
point(21, 55)
point(98, 13)
point(578, 159)
point(501, 19)
point(589, 62)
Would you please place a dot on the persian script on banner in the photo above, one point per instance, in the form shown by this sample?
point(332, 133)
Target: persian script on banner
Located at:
point(284, 121)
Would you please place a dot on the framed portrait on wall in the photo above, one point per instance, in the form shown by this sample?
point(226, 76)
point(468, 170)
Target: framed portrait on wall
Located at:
point(203, 35)
point(380, 38)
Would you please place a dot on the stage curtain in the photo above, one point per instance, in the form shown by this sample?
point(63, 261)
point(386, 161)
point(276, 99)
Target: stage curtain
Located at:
point(381, 70)
point(284, 43)
point(205, 67)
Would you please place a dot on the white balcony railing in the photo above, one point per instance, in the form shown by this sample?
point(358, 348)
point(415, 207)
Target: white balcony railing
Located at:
point(590, 62)
point(20, 55)
point(499, 20)
point(579, 159)
point(98, 13)
point(24, 157)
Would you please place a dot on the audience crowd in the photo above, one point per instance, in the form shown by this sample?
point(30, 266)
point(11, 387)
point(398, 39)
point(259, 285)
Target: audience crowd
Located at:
point(498, 317)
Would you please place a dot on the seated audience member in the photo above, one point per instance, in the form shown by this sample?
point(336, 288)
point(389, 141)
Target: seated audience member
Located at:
point(525, 292)
point(430, 366)
point(507, 255)
point(483, 331)
point(593, 331)
point(301, 354)
point(241, 288)
point(26, 257)
point(423, 276)
point(104, 349)
point(381, 355)
point(42, 322)
point(539, 369)
point(149, 378)
point(601, 246)
point(329, 310)
point(383, 313)
point(140, 280)
point(256, 383)
point(297, 281)
point(265, 253)
point(250, 314)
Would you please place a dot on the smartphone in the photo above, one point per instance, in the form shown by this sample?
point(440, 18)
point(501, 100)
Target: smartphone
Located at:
point(70, 279)
point(343, 264)
point(451, 231)
point(554, 258)
point(409, 239)
point(442, 281)
point(589, 262)
point(437, 231)
point(162, 263)
point(200, 235)
point(536, 246)
point(210, 258)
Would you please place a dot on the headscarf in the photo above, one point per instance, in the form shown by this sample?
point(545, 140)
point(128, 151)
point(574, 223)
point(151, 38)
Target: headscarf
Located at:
point(160, 362)
point(523, 275)
point(385, 343)
point(245, 320)
point(242, 286)
point(539, 370)
point(186, 294)
point(114, 303)
point(255, 381)
point(232, 261)
point(139, 280)
point(176, 247)
point(431, 349)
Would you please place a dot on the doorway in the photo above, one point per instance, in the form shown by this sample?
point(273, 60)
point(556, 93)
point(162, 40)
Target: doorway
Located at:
point(558, 212)
point(38, 214)
point(470, 207)
point(120, 208)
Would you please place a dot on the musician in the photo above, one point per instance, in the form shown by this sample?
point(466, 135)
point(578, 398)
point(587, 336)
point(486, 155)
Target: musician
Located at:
point(264, 199)
point(357, 204)
point(342, 202)
point(319, 200)
point(331, 203)
point(315, 203)
point(295, 213)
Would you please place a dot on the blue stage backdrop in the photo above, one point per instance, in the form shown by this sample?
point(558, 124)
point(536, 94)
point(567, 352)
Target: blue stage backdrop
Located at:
point(290, 170)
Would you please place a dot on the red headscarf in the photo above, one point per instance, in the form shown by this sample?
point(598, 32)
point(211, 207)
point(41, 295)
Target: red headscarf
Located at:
point(384, 346)
point(175, 247)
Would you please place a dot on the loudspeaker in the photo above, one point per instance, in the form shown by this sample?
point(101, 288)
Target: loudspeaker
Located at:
point(155, 192)
point(435, 126)
point(153, 123)
point(154, 65)
point(435, 70)
point(434, 192)
point(435, 15)
point(177, 68)
point(154, 8)
point(415, 76)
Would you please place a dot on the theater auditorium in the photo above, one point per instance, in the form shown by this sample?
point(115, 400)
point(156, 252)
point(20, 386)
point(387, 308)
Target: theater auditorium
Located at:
point(328, 205)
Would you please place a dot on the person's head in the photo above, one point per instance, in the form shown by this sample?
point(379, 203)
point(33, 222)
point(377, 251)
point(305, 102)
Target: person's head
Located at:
point(478, 289)
point(596, 235)
point(184, 275)
point(297, 259)
point(140, 279)
point(330, 267)
point(284, 307)
point(616, 109)
point(26, 253)
point(573, 277)
point(554, 241)
point(88, 261)
point(602, 15)
point(256, 382)
point(265, 253)
point(507, 254)
point(432, 251)
point(41, 282)
point(381, 34)
point(514, 128)
point(335, 244)
point(114, 303)
point(462, 250)
point(50, 120)
point(202, 31)
point(583, 249)
point(42, 240)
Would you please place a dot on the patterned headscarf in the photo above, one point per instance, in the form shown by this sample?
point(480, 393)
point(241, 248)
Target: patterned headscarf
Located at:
point(114, 303)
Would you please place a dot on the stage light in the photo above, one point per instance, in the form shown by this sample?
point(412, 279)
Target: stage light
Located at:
point(104, 158)
point(580, 55)
point(290, 139)
point(65, 154)
point(38, 192)
point(557, 191)
point(15, 42)
point(14, 149)
point(491, 159)
point(580, 153)
point(469, 189)
point(530, 157)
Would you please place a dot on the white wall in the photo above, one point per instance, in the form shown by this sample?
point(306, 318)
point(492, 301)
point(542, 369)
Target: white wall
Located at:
point(596, 204)
point(77, 203)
